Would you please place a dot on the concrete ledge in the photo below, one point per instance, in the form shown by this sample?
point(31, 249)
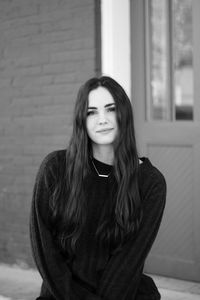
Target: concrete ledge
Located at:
point(19, 284)
point(166, 283)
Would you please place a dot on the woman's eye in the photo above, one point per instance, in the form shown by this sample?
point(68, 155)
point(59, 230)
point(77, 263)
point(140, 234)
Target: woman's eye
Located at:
point(110, 109)
point(90, 112)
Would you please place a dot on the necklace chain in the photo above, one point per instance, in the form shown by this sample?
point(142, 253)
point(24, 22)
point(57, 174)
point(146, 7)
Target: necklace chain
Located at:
point(100, 175)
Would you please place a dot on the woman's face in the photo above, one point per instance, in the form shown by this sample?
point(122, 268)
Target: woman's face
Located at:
point(101, 122)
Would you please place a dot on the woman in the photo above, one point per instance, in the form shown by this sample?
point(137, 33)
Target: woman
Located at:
point(96, 206)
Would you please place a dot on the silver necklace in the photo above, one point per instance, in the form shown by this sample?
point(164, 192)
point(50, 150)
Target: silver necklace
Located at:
point(100, 175)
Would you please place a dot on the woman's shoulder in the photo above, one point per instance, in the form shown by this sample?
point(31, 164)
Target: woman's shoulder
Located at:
point(52, 164)
point(53, 159)
point(150, 175)
point(56, 156)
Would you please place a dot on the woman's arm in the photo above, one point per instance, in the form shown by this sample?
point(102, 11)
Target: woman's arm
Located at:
point(121, 277)
point(58, 281)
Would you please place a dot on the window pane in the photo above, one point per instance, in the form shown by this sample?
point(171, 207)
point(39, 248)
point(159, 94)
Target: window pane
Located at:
point(170, 60)
point(159, 108)
point(183, 59)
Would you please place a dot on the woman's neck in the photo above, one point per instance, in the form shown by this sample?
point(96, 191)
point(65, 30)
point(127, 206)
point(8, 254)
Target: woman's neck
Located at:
point(103, 153)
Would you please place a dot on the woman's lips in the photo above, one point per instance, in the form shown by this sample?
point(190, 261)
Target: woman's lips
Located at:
point(104, 130)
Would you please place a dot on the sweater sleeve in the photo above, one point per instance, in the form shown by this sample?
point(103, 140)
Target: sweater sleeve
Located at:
point(121, 277)
point(58, 280)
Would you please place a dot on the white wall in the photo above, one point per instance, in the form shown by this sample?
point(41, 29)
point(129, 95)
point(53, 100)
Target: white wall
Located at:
point(116, 59)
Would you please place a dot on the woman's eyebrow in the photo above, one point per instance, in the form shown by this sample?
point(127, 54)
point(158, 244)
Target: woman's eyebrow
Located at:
point(107, 105)
point(110, 104)
point(92, 107)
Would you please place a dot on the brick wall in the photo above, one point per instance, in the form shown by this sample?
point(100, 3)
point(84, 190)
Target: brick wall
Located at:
point(47, 50)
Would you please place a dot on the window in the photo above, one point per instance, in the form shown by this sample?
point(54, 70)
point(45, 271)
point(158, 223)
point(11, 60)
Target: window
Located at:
point(169, 60)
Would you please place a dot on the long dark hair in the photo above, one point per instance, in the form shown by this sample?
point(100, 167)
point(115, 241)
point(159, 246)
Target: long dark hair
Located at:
point(122, 216)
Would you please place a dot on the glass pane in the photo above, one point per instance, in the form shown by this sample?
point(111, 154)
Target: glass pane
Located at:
point(159, 108)
point(183, 59)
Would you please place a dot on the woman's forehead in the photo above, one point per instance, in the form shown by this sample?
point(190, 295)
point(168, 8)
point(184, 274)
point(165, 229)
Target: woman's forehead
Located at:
point(100, 97)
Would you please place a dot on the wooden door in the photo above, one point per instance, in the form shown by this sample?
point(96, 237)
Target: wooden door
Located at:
point(169, 134)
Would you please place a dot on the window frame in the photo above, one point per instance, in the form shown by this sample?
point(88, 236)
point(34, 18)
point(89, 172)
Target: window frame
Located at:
point(170, 105)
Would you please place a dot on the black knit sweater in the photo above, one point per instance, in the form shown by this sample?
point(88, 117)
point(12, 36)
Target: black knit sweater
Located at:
point(95, 273)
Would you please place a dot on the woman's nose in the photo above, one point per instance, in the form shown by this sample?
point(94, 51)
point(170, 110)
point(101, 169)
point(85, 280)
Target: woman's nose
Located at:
point(102, 118)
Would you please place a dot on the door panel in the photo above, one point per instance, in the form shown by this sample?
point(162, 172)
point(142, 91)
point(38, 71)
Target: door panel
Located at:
point(174, 250)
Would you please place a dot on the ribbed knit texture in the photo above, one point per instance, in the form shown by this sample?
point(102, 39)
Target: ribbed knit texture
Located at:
point(95, 273)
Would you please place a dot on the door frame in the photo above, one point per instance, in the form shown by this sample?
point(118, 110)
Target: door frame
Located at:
point(165, 133)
